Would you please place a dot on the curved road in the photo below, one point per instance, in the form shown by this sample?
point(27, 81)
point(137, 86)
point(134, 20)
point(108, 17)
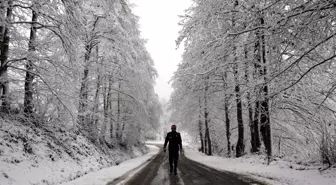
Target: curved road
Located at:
point(189, 173)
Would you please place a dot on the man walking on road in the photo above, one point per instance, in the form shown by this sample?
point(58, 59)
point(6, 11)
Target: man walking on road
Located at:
point(175, 144)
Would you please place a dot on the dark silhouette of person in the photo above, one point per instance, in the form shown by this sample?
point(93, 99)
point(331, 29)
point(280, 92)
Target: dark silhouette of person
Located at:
point(175, 144)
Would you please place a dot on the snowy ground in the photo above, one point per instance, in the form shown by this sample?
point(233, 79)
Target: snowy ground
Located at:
point(104, 176)
point(277, 173)
point(27, 156)
point(49, 155)
point(155, 143)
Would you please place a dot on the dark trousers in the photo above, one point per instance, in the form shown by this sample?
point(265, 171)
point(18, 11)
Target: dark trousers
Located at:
point(173, 159)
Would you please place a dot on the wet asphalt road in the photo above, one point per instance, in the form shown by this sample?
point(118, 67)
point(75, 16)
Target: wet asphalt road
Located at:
point(189, 173)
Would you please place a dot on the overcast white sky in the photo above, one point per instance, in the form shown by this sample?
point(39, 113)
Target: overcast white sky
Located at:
point(159, 25)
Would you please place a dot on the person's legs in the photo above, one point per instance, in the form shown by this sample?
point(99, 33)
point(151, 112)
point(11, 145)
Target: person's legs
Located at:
point(176, 156)
point(171, 158)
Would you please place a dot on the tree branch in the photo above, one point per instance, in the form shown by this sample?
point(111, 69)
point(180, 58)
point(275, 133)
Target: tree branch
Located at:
point(303, 75)
point(51, 90)
point(302, 56)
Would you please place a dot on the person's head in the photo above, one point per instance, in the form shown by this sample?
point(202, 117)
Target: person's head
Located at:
point(173, 127)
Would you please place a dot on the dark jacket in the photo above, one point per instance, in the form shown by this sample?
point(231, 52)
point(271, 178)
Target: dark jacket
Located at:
point(175, 141)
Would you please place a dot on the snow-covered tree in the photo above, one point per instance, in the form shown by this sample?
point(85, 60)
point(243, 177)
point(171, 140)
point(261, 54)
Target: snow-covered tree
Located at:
point(272, 62)
point(78, 63)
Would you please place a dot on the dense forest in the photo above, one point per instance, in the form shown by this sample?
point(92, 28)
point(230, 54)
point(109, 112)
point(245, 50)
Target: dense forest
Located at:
point(79, 64)
point(257, 77)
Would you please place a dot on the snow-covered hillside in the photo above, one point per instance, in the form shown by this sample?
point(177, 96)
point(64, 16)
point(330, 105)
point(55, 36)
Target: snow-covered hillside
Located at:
point(50, 155)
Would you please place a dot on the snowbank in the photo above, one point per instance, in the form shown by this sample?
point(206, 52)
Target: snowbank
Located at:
point(278, 172)
point(155, 142)
point(52, 154)
point(104, 176)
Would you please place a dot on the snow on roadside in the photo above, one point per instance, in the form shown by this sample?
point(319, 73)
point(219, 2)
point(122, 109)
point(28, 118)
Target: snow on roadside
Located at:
point(52, 154)
point(109, 174)
point(155, 142)
point(277, 173)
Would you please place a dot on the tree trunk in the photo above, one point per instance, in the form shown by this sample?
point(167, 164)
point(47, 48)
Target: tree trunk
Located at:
point(265, 126)
point(95, 112)
point(253, 121)
point(201, 134)
point(240, 143)
point(256, 121)
point(200, 129)
point(4, 52)
point(206, 120)
point(118, 135)
point(106, 108)
point(249, 104)
point(28, 87)
point(227, 118)
point(228, 129)
point(109, 108)
point(255, 137)
point(254, 148)
point(83, 94)
point(205, 142)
